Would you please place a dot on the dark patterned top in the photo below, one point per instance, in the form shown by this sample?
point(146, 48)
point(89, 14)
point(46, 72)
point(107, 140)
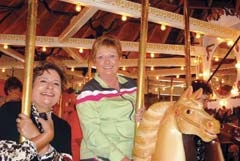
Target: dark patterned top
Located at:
point(11, 151)
point(60, 149)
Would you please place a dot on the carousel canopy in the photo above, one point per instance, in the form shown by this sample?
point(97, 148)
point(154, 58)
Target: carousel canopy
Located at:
point(66, 30)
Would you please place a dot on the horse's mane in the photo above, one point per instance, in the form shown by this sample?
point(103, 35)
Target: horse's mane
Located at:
point(146, 134)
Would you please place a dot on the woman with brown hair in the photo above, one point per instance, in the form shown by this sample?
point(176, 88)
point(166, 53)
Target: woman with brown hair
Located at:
point(48, 83)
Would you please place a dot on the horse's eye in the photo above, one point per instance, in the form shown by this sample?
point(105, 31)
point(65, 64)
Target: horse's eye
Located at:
point(188, 111)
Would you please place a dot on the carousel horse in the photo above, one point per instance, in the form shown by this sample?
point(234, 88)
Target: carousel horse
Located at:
point(159, 135)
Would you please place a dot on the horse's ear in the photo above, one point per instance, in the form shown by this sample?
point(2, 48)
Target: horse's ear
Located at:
point(187, 93)
point(197, 94)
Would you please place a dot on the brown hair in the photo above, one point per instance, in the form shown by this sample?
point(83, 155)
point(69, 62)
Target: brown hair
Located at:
point(45, 66)
point(108, 41)
point(12, 83)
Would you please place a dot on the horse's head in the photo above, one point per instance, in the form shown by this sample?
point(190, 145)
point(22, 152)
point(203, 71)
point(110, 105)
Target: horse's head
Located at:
point(192, 119)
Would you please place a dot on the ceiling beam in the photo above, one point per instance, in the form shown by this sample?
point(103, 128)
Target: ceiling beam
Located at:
point(76, 56)
point(14, 54)
point(158, 62)
point(7, 62)
point(131, 9)
point(19, 40)
point(169, 72)
point(77, 22)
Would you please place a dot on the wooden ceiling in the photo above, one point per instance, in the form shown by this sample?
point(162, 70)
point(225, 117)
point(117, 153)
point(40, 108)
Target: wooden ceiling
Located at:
point(63, 31)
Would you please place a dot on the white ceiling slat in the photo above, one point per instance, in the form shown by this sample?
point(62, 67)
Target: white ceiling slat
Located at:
point(19, 40)
point(77, 22)
point(169, 72)
point(74, 55)
point(160, 62)
point(14, 54)
point(9, 62)
point(157, 62)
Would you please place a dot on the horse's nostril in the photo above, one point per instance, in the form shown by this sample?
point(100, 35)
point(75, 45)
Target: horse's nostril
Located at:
point(210, 124)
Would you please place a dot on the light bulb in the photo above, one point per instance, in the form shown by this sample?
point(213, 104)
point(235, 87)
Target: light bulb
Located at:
point(78, 7)
point(124, 18)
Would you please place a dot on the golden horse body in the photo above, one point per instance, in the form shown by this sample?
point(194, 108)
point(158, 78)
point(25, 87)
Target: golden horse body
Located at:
point(159, 136)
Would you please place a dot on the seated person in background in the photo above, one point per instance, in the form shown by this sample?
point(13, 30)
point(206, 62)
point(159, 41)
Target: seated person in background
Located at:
point(2, 94)
point(28, 149)
point(224, 115)
point(12, 89)
point(2, 100)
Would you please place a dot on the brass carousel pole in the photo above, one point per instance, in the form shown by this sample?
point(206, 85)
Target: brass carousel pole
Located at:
point(29, 58)
point(187, 44)
point(89, 73)
point(142, 56)
point(171, 90)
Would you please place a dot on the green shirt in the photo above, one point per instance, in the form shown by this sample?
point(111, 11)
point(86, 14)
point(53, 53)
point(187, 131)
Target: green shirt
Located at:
point(107, 119)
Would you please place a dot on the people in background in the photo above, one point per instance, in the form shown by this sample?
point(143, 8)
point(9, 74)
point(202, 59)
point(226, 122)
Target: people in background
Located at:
point(48, 83)
point(36, 143)
point(2, 94)
point(2, 100)
point(106, 107)
point(12, 89)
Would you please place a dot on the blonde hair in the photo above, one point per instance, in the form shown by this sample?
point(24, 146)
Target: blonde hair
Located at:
point(108, 41)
